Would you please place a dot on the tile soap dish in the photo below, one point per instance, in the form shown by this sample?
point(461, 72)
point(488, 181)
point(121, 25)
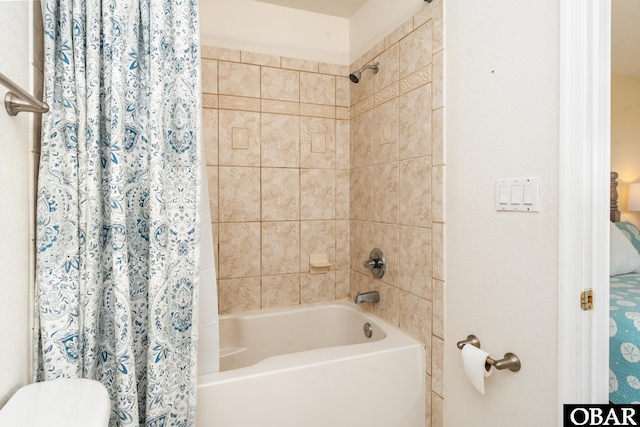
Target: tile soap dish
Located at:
point(319, 263)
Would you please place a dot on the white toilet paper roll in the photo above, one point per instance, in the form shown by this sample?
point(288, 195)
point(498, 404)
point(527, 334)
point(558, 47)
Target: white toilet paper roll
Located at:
point(474, 361)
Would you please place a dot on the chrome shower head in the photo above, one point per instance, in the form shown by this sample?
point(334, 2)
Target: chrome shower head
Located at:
point(355, 76)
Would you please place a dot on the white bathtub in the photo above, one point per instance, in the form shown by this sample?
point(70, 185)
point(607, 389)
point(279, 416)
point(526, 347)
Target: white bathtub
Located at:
point(313, 366)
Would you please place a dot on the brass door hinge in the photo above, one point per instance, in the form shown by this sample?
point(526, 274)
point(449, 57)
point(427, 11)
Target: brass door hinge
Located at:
point(586, 300)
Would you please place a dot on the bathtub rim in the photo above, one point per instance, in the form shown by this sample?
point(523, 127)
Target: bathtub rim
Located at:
point(393, 340)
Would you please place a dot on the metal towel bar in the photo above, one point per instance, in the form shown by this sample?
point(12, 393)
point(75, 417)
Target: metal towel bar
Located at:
point(17, 99)
point(510, 360)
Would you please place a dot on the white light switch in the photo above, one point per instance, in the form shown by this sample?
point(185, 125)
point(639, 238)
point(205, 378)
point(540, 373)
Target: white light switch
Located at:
point(503, 195)
point(518, 195)
point(528, 194)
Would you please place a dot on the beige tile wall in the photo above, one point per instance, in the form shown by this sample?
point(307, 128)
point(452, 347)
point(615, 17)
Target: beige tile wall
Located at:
point(397, 186)
point(276, 134)
point(301, 161)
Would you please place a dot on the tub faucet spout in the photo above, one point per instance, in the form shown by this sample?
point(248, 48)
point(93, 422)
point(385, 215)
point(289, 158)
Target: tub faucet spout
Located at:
point(373, 296)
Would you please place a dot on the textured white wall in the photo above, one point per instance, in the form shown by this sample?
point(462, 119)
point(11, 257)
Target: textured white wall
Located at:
point(14, 215)
point(377, 18)
point(276, 30)
point(266, 28)
point(502, 84)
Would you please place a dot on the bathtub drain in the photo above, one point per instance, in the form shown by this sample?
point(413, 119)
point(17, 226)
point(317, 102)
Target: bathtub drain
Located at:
point(367, 330)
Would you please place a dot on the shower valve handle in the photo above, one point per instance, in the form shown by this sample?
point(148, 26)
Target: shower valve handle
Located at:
point(373, 263)
point(376, 263)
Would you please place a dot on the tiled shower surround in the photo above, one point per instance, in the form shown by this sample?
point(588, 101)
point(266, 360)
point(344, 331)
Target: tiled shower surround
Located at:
point(277, 150)
point(301, 161)
point(397, 185)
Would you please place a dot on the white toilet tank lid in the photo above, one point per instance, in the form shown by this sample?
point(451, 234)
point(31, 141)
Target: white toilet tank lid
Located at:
point(58, 403)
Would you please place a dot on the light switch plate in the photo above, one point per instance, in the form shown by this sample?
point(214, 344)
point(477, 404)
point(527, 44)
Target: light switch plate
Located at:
point(518, 195)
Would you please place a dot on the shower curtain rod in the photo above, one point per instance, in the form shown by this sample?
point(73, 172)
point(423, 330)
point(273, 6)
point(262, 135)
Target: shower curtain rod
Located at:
point(17, 99)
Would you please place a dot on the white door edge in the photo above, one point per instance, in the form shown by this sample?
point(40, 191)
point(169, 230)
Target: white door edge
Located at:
point(583, 346)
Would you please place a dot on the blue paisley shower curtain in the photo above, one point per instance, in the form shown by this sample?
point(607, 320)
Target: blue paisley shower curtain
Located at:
point(117, 209)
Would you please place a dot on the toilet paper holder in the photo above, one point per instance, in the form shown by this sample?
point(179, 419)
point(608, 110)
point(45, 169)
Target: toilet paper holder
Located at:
point(510, 360)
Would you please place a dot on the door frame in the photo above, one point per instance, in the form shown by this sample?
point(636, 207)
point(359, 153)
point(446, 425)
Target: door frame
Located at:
point(585, 91)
